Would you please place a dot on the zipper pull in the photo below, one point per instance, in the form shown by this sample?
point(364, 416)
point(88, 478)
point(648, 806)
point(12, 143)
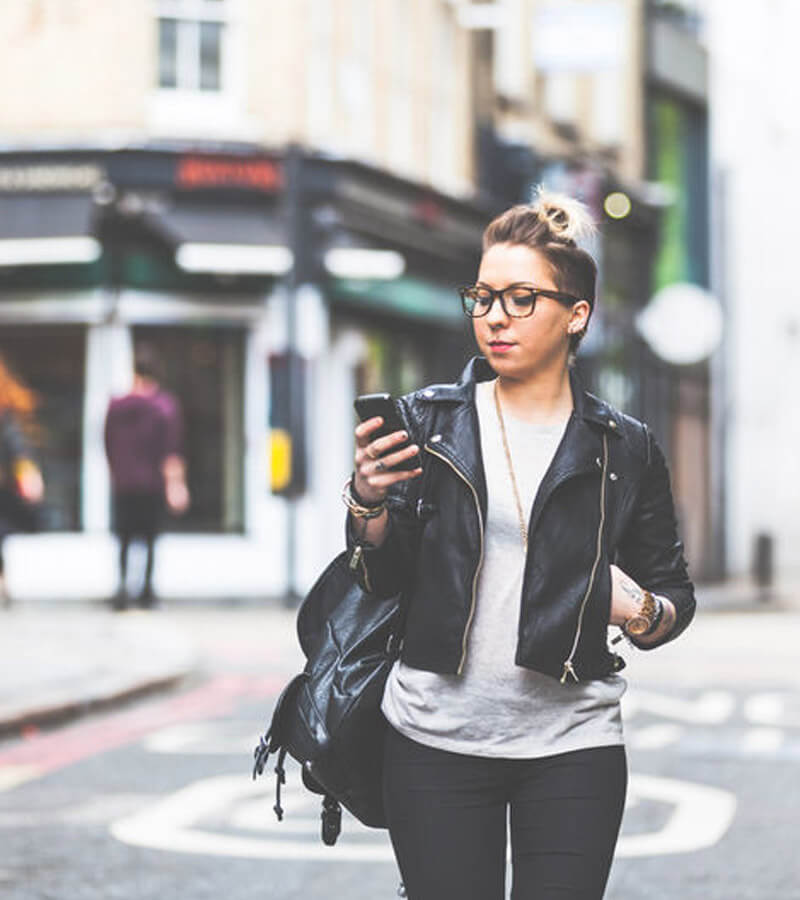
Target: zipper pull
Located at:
point(355, 557)
point(569, 669)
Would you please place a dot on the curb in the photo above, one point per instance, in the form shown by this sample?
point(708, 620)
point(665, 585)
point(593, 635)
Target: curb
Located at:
point(69, 710)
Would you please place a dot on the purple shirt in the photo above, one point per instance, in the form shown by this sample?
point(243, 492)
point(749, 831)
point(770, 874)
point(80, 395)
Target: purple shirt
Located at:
point(141, 431)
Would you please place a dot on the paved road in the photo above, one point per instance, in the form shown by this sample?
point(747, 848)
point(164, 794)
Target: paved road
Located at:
point(155, 800)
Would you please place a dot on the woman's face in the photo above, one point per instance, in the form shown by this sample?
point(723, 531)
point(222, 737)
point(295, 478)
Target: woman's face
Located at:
point(521, 348)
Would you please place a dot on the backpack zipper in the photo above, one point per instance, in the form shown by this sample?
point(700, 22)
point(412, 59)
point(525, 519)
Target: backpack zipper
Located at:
point(471, 616)
point(569, 668)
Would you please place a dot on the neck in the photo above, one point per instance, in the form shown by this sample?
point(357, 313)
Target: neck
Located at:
point(543, 399)
point(144, 386)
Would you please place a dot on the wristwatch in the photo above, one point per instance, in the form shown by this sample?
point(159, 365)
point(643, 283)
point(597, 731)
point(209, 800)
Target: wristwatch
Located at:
point(647, 619)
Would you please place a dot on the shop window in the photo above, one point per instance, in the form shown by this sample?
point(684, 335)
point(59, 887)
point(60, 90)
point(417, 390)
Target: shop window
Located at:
point(191, 44)
point(51, 361)
point(204, 368)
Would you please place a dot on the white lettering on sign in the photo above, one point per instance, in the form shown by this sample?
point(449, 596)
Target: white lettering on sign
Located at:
point(64, 177)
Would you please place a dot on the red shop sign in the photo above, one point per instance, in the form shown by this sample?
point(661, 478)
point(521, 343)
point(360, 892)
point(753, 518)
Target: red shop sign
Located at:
point(213, 172)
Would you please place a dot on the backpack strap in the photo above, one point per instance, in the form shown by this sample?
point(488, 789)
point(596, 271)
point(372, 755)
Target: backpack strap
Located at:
point(331, 820)
point(280, 778)
point(261, 754)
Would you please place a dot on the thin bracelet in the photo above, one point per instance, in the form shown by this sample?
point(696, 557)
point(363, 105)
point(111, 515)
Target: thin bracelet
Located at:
point(357, 497)
point(360, 510)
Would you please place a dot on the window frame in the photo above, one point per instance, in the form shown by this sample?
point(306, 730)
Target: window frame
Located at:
point(190, 16)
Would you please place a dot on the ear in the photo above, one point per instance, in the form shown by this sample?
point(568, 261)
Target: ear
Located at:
point(579, 316)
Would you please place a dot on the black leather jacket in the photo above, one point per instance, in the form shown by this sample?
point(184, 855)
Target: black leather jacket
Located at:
point(604, 499)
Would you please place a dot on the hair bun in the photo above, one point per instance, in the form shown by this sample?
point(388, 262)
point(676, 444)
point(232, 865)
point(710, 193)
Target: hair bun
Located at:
point(568, 219)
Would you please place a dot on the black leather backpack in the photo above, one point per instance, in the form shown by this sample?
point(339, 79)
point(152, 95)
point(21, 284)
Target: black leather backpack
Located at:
point(328, 717)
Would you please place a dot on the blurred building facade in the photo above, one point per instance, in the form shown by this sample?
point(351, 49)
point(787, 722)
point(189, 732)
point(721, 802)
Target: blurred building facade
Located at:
point(282, 198)
point(608, 101)
point(756, 139)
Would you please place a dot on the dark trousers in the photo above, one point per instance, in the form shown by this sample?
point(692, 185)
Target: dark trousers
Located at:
point(447, 816)
point(137, 515)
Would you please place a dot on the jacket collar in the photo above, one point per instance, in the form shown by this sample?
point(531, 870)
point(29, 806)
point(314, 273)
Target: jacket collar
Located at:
point(586, 405)
point(457, 436)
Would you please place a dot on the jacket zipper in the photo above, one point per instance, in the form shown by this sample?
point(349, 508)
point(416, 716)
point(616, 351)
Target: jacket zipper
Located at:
point(569, 668)
point(357, 560)
point(471, 616)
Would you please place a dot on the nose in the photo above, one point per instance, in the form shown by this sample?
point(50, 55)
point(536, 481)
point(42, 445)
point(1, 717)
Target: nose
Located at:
point(496, 315)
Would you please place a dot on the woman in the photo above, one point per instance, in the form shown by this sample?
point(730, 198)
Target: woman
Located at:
point(21, 485)
point(540, 516)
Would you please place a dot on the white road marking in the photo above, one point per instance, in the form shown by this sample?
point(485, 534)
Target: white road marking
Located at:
point(12, 776)
point(654, 737)
point(762, 741)
point(701, 816)
point(710, 708)
point(173, 824)
point(765, 709)
point(197, 738)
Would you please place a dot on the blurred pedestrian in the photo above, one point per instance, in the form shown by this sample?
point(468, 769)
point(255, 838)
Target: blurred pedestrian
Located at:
point(544, 516)
point(21, 484)
point(144, 447)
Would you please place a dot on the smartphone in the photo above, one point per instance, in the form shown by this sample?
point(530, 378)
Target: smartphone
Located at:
point(370, 405)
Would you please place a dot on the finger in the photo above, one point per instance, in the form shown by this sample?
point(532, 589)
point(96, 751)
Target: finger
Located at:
point(364, 459)
point(382, 480)
point(392, 459)
point(366, 428)
point(384, 444)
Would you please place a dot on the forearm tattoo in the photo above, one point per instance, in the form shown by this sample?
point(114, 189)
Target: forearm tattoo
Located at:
point(632, 590)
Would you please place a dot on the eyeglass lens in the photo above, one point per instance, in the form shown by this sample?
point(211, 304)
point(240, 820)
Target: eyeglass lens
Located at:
point(517, 301)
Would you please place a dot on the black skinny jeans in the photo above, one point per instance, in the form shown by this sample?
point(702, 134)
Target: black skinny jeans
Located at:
point(447, 820)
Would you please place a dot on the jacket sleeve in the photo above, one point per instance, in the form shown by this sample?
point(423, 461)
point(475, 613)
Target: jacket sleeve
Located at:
point(389, 568)
point(650, 550)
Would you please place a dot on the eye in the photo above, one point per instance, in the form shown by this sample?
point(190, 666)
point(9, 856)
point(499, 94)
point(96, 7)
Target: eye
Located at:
point(520, 295)
point(480, 295)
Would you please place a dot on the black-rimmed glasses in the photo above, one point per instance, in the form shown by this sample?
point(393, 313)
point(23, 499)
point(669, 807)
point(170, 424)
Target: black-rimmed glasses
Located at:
point(517, 300)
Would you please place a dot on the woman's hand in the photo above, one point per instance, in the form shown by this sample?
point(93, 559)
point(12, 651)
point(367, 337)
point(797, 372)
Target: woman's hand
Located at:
point(374, 474)
point(626, 601)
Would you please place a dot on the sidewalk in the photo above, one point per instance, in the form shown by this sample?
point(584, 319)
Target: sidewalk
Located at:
point(58, 661)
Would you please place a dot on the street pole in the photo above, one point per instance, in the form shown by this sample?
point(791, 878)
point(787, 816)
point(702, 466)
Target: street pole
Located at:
point(294, 381)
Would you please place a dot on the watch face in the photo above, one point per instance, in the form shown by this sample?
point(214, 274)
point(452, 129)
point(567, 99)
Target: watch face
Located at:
point(637, 625)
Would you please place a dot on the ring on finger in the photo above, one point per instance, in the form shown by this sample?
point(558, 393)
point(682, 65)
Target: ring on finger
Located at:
point(380, 466)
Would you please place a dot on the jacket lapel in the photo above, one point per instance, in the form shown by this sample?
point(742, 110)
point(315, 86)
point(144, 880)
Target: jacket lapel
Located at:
point(581, 449)
point(456, 434)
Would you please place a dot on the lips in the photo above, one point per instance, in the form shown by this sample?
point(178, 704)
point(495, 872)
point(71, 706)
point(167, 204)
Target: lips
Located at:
point(500, 345)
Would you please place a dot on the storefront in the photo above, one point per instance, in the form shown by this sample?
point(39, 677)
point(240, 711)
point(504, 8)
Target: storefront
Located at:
point(207, 256)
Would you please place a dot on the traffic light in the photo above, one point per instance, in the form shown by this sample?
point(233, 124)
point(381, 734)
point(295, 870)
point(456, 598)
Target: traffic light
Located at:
point(287, 421)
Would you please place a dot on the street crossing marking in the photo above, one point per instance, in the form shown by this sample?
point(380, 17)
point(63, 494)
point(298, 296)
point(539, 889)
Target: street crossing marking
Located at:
point(710, 708)
point(655, 737)
point(762, 741)
point(765, 709)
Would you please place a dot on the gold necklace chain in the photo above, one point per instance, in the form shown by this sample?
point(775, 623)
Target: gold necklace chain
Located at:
point(523, 527)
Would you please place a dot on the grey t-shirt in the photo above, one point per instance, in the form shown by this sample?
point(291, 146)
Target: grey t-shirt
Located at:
point(496, 708)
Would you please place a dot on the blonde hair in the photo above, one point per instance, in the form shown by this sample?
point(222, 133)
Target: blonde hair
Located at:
point(552, 224)
point(568, 219)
